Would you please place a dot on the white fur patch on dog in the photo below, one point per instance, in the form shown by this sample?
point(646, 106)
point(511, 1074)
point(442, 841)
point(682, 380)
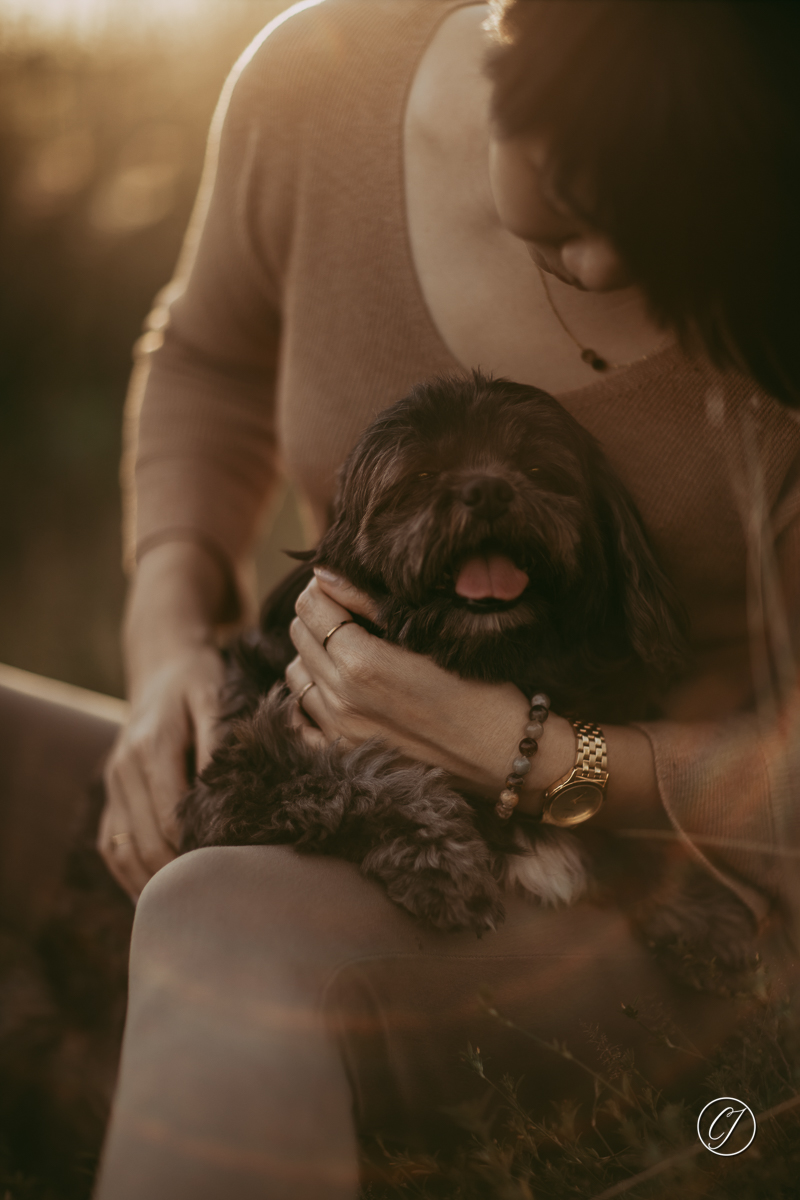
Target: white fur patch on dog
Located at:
point(550, 869)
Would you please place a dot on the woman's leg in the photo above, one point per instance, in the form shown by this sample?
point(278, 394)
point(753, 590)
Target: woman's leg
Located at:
point(274, 996)
point(230, 1084)
point(64, 932)
point(49, 754)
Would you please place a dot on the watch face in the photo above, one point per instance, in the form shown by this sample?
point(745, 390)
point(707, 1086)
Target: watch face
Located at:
point(577, 802)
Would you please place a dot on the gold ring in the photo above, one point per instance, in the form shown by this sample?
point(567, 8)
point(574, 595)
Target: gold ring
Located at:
point(301, 694)
point(331, 632)
point(120, 839)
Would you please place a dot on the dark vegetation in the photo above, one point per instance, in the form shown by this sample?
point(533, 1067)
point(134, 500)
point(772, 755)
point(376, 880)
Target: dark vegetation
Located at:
point(101, 147)
point(638, 1145)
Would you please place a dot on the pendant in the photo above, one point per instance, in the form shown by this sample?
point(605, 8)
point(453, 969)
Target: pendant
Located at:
point(594, 360)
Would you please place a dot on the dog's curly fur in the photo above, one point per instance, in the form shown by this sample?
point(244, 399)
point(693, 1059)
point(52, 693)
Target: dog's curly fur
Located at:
point(598, 627)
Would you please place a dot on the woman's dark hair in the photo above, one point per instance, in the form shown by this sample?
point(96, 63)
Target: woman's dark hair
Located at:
point(674, 128)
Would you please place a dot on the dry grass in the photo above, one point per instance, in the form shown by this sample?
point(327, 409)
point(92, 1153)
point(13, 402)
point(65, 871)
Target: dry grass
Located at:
point(634, 1143)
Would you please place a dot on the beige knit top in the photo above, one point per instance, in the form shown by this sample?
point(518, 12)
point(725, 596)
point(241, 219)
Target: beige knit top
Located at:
point(297, 316)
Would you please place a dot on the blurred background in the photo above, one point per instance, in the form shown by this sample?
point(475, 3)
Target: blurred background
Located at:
point(104, 110)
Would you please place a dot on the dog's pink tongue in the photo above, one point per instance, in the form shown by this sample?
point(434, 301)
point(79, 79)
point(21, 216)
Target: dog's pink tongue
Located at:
point(493, 576)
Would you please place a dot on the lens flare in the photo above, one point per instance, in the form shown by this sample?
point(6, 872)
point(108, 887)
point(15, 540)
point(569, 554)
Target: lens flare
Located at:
point(87, 17)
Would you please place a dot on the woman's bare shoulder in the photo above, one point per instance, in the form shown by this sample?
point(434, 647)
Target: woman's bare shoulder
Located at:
point(324, 42)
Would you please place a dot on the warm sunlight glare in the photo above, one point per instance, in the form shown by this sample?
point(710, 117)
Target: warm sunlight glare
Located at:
point(86, 17)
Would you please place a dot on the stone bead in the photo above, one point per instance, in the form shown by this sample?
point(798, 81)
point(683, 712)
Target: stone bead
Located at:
point(539, 715)
point(509, 798)
point(514, 781)
point(540, 700)
point(534, 729)
point(528, 746)
point(521, 766)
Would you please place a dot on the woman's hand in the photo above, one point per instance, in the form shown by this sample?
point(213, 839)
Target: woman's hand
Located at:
point(175, 675)
point(366, 687)
point(174, 715)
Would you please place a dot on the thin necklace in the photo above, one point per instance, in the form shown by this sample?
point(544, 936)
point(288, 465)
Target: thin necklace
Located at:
point(594, 360)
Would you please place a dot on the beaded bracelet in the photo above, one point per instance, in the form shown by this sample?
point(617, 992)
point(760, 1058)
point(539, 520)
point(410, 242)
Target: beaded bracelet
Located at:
point(509, 797)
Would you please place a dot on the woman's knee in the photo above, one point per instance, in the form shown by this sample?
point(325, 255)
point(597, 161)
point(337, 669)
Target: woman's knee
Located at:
point(256, 911)
point(202, 949)
point(189, 884)
point(206, 899)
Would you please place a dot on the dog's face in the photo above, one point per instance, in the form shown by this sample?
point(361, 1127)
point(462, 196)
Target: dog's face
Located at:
point(488, 526)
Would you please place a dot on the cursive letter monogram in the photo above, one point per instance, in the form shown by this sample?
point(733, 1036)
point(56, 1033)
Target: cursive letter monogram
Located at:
point(719, 1139)
point(726, 1112)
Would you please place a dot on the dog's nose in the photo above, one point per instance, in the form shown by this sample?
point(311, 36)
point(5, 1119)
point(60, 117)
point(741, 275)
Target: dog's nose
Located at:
point(487, 496)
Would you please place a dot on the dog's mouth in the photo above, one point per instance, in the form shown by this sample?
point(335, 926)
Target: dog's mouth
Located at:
point(490, 582)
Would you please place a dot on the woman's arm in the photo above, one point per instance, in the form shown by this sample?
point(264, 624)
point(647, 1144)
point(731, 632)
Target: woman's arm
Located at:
point(200, 465)
point(366, 687)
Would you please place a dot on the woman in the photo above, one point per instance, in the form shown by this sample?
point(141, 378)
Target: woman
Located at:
point(606, 214)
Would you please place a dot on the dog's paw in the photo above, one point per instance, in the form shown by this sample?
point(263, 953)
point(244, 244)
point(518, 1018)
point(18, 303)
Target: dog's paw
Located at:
point(549, 867)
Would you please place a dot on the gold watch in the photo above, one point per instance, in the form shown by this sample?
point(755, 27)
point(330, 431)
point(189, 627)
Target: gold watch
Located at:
point(579, 794)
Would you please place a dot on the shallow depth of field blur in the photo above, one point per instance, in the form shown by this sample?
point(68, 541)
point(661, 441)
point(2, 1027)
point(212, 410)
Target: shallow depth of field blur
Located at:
point(104, 110)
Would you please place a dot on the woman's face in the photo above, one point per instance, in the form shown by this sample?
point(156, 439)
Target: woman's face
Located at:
point(557, 241)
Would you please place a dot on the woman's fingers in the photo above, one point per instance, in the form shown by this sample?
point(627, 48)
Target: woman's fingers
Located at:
point(315, 707)
point(343, 653)
point(313, 737)
point(342, 659)
point(141, 783)
point(318, 612)
point(116, 841)
point(297, 676)
point(343, 673)
point(204, 712)
point(161, 762)
point(317, 617)
point(344, 594)
point(325, 628)
point(119, 853)
point(308, 695)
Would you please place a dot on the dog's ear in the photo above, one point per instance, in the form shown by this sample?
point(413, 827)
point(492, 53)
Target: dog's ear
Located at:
point(654, 618)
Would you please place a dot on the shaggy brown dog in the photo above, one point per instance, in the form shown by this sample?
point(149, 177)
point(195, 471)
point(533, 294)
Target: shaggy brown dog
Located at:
point(488, 527)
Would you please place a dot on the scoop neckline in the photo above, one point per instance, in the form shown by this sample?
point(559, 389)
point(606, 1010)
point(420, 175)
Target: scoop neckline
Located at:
point(642, 367)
